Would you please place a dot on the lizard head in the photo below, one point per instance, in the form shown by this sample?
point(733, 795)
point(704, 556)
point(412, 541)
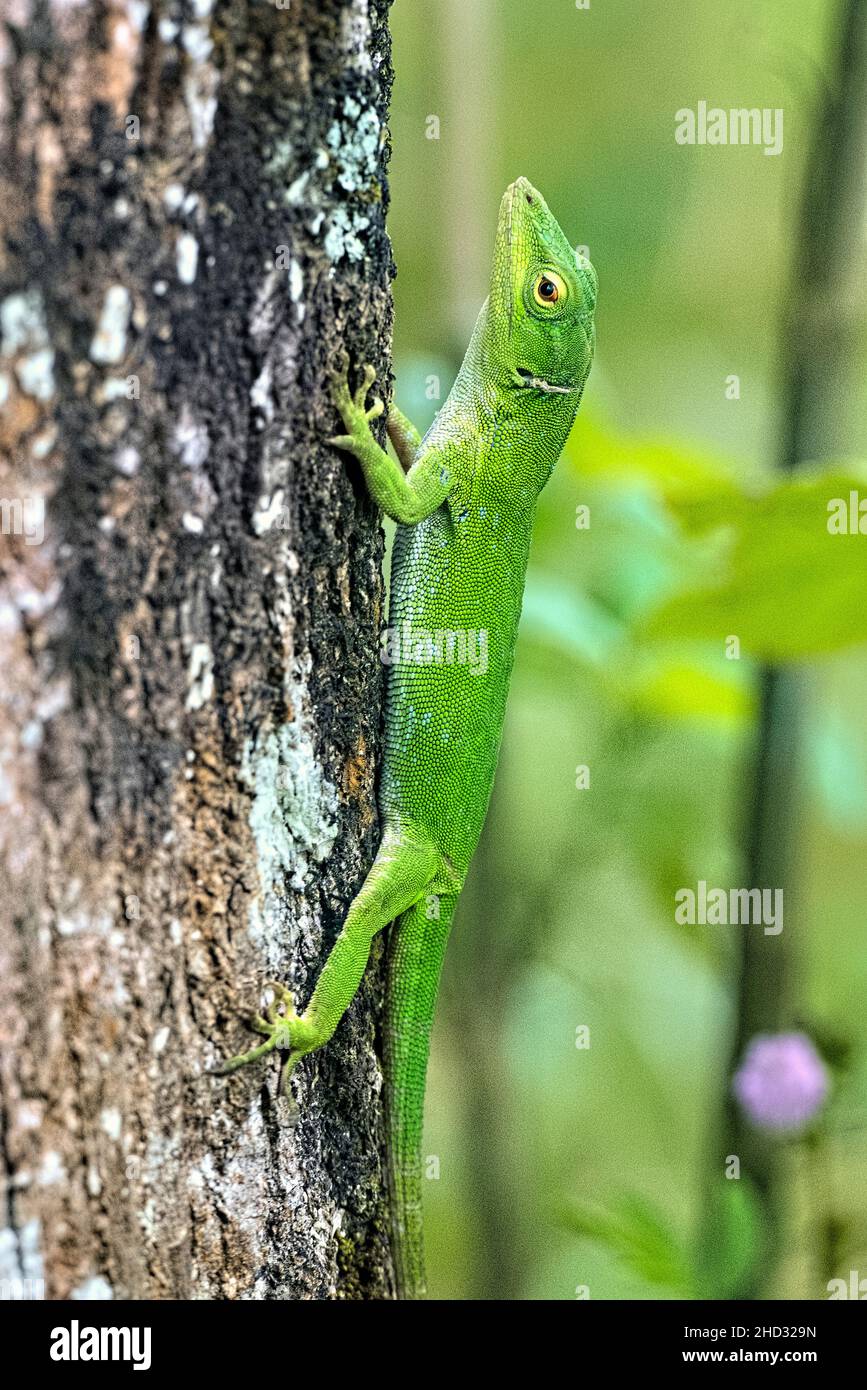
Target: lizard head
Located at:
point(543, 293)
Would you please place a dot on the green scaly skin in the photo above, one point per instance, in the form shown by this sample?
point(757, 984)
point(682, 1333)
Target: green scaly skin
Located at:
point(465, 508)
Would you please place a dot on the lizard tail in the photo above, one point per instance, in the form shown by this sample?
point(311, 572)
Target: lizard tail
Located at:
point(417, 944)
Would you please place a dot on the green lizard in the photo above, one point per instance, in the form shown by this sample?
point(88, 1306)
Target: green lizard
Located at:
point(464, 507)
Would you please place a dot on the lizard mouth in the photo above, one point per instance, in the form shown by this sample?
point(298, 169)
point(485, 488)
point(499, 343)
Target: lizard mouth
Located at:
point(538, 383)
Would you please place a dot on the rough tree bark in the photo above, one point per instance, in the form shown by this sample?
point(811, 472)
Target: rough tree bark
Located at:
point(192, 223)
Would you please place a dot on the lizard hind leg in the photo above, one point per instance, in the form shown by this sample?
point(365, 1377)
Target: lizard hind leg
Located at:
point(405, 438)
point(406, 863)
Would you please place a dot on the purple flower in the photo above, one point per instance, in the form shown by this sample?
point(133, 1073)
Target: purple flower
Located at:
point(781, 1082)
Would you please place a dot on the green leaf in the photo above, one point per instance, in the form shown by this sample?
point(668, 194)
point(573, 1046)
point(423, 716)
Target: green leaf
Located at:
point(786, 587)
point(734, 1240)
point(639, 1235)
point(838, 769)
point(682, 684)
point(674, 470)
point(568, 620)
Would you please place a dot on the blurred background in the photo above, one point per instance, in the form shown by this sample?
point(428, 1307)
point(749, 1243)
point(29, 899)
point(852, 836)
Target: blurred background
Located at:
point(579, 1114)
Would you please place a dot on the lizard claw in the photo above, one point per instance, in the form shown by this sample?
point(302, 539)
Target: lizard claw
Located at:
point(280, 996)
point(368, 377)
point(279, 1029)
point(355, 414)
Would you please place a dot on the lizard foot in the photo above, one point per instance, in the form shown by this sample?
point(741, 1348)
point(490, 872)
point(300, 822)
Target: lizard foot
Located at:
point(281, 1026)
point(351, 405)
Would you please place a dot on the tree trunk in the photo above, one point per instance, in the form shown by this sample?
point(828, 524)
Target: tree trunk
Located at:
point(193, 224)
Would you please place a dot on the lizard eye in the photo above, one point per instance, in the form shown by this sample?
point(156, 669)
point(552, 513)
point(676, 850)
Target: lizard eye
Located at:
point(549, 288)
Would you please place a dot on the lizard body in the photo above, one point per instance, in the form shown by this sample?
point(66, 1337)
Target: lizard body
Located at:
point(464, 508)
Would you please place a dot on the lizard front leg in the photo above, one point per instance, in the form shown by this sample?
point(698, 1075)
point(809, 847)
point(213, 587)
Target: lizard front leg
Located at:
point(406, 497)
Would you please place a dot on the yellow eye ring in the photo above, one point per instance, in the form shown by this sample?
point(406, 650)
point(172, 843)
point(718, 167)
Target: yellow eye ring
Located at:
point(549, 289)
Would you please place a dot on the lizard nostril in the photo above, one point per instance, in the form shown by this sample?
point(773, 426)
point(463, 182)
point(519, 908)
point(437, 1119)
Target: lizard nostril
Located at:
point(530, 199)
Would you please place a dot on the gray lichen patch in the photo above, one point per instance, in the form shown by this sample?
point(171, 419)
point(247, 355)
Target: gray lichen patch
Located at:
point(235, 1189)
point(356, 36)
point(270, 512)
point(109, 340)
point(342, 237)
point(353, 142)
point(22, 323)
point(190, 439)
point(201, 79)
point(293, 814)
point(293, 820)
point(347, 161)
point(187, 258)
point(97, 1289)
point(24, 336)
point(200, 676)
point(21, 1263)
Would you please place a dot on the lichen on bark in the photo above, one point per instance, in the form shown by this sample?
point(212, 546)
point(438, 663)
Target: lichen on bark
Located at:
point(193, 225)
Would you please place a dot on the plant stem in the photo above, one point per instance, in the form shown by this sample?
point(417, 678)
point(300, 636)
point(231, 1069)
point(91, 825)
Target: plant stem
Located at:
point(823, 309)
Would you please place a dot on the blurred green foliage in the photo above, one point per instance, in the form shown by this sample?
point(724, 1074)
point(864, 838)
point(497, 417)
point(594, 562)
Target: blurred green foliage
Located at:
point(563, 1166)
